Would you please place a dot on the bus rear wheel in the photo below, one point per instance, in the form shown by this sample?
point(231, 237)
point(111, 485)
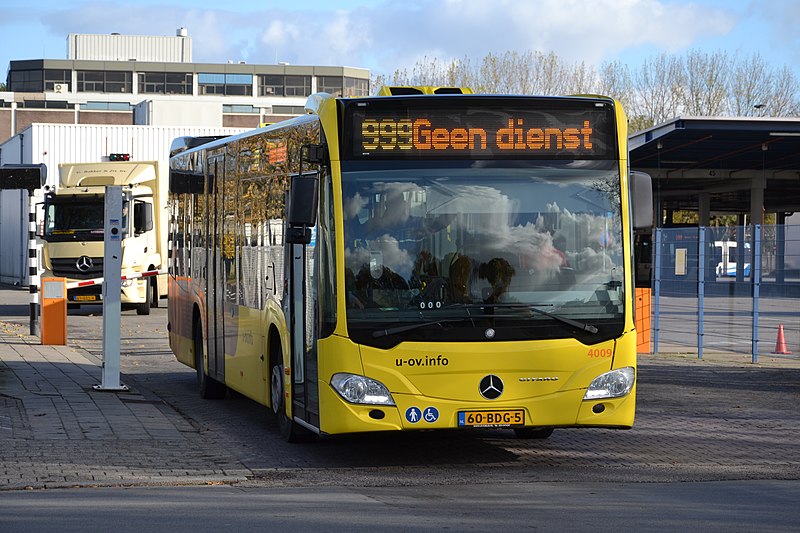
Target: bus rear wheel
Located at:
point(533, 433)
point(210, 388)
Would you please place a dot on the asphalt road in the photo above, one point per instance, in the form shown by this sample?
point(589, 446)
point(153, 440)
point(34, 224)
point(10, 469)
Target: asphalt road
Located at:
point(714, 447)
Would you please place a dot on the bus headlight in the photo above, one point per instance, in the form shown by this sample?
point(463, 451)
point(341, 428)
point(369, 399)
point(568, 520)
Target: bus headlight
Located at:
point(611, 384)
point(361, 389)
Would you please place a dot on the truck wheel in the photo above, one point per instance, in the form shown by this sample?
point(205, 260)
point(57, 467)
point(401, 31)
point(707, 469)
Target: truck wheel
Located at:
point(154, 292)
point(144, 307)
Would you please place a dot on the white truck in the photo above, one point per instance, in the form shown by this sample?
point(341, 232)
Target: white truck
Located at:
point(73, 230)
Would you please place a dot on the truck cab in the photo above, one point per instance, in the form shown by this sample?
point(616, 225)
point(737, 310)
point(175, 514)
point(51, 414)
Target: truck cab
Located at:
point(73, 234)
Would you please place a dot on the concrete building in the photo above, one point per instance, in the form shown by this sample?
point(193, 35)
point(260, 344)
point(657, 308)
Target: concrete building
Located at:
point(106, 77)
point(134, 94)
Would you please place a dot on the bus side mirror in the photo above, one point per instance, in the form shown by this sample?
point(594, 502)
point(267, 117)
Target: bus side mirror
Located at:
point(302, 208)
point(641, 191)
point(142, 217)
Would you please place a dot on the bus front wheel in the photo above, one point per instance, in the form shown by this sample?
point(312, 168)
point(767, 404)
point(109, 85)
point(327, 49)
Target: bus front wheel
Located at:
point(290, 431)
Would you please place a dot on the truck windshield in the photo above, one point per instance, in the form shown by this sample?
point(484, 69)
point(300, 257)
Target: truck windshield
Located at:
point(461, 251)
point(74, 219)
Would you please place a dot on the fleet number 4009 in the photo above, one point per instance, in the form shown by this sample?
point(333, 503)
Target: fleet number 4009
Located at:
point(600, 352)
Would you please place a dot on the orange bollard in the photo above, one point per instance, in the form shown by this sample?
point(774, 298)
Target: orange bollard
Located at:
point(54, 311)
point(780, 345)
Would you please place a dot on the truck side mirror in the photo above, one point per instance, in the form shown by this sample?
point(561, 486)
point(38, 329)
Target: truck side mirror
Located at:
point(142, 217)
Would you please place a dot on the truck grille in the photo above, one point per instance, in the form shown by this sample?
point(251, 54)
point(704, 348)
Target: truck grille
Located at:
point(68, 268)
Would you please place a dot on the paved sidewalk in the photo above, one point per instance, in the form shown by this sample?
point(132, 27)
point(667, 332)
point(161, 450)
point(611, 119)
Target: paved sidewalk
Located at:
point(56, 430)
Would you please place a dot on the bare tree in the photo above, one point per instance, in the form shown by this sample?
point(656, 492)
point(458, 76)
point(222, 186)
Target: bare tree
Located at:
point(705, 83)
point(657, 89)
point(664, 86)
point(750, 86)
point(783, 100)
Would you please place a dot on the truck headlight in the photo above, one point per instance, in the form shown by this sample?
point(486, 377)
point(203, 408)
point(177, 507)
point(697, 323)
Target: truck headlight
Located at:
point(361, 389)
point(611, 384)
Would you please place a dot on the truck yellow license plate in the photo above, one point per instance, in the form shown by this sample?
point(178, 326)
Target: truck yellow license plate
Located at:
point(491, 419)
point(86, 298)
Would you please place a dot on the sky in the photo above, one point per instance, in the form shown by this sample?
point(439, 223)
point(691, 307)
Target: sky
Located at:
point(387, 35)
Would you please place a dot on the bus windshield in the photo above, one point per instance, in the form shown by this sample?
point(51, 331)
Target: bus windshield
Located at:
point(435, 253)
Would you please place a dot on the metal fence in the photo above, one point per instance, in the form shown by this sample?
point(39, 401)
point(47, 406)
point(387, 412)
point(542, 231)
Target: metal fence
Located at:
point(728, 289)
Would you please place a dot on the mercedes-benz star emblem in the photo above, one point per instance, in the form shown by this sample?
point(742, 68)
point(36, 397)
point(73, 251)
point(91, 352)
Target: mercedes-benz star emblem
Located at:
point(491, 387)
point(84, 263)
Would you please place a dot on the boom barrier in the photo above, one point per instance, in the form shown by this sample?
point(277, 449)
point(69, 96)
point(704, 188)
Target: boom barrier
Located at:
point(98, 281)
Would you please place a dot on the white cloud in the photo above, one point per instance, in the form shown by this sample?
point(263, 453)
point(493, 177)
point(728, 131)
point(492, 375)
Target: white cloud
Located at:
point(394, 34)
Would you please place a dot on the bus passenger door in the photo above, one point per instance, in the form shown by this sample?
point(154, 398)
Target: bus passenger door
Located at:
point(302, 311)
point(216, 273)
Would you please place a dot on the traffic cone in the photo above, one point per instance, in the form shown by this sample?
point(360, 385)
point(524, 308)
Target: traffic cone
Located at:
point(780, 345)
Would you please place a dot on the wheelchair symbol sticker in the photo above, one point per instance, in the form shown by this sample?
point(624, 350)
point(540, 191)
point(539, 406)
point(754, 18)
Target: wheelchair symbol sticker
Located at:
point(431, 415)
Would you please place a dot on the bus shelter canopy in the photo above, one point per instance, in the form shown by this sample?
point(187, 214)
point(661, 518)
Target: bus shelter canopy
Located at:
point(718, 165)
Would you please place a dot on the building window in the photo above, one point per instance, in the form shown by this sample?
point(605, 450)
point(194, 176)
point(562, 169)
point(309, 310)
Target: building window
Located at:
point(330, 84)
point(279, 85)
point(271, 85)
point(165, 83)
point(298, 86)
point(236, 108)
point(106, 106)
point(98, 81)
point(26, 81)
point(288, 110)
point(43, 104)
point(356, 87)
point(57, 80)
point(227, 84)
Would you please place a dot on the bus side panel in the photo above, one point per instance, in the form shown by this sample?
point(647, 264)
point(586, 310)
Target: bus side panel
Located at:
point(245, 368)
point(179, 317)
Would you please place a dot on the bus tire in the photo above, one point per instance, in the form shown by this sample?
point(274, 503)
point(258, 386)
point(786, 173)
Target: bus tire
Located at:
point(210, 388)
point(533, 433)
point(288, 429)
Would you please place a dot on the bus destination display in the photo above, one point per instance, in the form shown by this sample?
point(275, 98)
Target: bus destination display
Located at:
point(478, 133)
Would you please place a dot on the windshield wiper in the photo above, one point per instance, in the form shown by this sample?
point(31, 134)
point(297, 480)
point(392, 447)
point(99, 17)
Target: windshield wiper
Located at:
point(533, 309)
point(408, 327)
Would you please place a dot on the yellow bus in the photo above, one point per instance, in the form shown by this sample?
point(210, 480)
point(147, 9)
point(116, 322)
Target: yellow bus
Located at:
point(414, 262)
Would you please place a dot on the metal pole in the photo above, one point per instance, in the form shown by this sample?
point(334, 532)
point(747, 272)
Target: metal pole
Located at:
point(755, 268)
point(657, 284)
point(701, 287)
point(33, 264)
point(112, 287)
